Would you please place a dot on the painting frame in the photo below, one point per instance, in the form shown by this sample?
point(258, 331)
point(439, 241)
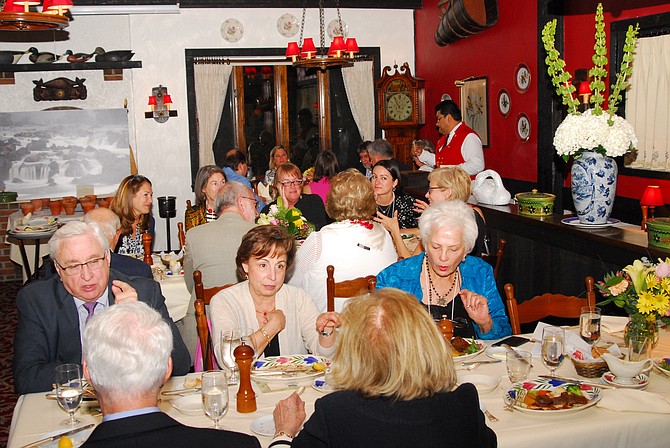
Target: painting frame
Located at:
point(474, 96)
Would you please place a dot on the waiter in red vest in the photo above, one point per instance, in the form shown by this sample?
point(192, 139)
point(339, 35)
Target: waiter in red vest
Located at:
point(459, 145)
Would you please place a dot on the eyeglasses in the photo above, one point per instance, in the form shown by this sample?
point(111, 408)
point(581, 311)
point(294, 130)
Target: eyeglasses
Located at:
point(288, 183)
point(76, 269)
point(251, 199)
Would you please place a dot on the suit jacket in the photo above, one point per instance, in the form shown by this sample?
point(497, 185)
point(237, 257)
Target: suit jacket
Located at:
point(125, 264)
point(160, 430)
point(446, 419)
point(47, 333)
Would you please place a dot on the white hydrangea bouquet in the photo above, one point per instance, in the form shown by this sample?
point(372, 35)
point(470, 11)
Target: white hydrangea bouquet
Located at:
point(596, 129)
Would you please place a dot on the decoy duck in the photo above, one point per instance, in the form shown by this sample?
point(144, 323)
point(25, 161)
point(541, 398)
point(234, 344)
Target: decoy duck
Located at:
point(112, 56)
point(44, 57)
point(10, 56)
point(79, 57)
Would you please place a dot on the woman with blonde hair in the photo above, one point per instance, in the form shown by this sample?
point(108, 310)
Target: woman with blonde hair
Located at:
point(354, 244)
point(278, 156)
point(132, 203)
point(397, 385)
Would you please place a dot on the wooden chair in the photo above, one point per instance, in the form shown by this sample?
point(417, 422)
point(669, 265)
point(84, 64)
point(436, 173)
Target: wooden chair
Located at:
point(496, 260)
point(202, 297)
point(181, 234)
point(346, 288)
point(548, 304)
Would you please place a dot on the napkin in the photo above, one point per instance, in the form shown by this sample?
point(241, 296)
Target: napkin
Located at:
point(573, 342)
point(613, 324)
point(633, 400)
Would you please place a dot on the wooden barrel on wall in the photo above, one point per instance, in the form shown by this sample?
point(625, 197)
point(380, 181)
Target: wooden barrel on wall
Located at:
point(464, 18)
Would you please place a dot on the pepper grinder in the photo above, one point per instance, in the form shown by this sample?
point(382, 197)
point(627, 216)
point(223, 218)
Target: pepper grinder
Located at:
point(446, 327)
point(146, 242)
point(246, 397)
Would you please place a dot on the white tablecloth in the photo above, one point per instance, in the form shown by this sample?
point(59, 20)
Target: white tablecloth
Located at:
point(176, 296)
point(593, 427)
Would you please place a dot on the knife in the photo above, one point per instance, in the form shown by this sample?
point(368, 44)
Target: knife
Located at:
point(492, 361)
point(58, 436)
point(577, 381)
point(518, 356)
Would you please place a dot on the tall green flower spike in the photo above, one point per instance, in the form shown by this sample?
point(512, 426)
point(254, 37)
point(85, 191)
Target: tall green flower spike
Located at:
point(626, 70)
point(556, 68)
point(598, 73)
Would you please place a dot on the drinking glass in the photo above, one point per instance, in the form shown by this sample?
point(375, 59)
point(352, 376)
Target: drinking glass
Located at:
point(229, 341)
point(639, 347)
point(214, 395)
point(518, 365)
point(69, 390)
point(553, 348)
point(589, 324)
point(246, 338)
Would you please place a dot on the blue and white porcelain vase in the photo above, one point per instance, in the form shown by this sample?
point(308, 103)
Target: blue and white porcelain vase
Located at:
point(593, 184)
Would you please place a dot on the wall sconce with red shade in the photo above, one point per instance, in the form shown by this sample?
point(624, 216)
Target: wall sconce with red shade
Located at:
point(651, 199)
point(22, 15)
point(160, 105)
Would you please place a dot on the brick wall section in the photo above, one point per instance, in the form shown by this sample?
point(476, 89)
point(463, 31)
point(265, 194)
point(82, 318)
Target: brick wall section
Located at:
point(9, 271)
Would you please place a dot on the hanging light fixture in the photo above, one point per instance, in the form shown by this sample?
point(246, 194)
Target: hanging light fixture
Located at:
point(340, 54)
point(16, 15)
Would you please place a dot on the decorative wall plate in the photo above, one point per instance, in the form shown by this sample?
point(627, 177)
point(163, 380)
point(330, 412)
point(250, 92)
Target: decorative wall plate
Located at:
point(504, 102)
point(523, 127)
point(334, 29)
point(288, 25)
point(522, 77)
point(232, 30)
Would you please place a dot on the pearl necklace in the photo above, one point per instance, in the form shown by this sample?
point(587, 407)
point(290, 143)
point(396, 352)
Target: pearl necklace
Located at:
point(441, 300)
point(388, 210)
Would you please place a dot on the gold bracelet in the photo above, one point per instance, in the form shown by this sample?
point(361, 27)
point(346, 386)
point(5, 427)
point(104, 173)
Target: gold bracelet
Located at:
point(282, 433)
point(265, 333)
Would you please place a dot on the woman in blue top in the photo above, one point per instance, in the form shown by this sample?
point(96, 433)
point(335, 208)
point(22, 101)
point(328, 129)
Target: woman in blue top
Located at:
point(446, 280)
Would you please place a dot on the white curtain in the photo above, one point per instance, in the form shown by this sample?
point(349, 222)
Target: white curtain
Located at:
point(359, 85)
point(211, 84)
point(648, 103)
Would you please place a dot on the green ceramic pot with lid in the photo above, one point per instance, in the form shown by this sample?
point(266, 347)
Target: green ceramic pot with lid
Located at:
point(658, 232)
point(535, 204)
point(8, 196)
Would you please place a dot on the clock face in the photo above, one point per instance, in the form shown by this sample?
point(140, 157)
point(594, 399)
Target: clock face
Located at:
point(398, 107)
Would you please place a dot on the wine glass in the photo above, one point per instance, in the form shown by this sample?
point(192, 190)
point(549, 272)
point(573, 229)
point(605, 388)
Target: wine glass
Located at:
point(229, 341)
point(214, 395)
point(589, 324)
point(69, 390)
point(553, 347)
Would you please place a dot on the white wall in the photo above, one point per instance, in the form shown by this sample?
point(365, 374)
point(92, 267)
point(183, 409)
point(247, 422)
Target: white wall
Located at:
point(162, 150)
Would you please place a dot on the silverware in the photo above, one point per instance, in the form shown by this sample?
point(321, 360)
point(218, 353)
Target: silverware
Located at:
point(58, 436)
point(578, 381)
point(492, 418)
point(473, 366)
point(491, 361)
point(181, 391)
point(518, 356)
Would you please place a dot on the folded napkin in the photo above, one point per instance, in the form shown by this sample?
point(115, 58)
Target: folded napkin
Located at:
point(572, 341)
point(633, 400)
point(613, 324)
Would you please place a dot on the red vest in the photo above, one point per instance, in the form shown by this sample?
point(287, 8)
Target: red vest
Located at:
point(450, 154)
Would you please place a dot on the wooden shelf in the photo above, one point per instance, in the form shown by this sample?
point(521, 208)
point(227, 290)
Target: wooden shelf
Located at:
point(113, 71)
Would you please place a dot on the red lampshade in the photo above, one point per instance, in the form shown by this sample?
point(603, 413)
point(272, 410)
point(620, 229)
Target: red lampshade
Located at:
point(266, 70)
point(152, 101)
point(352, 46)
point(584, 88)
point(308, 48)
point(26, 3)
point(293, 50)
point(167, 99)
point(11, 7)
point(56, 6)
point(652, 196)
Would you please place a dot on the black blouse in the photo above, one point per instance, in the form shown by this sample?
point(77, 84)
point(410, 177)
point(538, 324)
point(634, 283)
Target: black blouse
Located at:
point(403, 204)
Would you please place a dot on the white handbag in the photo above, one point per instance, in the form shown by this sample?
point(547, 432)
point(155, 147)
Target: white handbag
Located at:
point(488, 188)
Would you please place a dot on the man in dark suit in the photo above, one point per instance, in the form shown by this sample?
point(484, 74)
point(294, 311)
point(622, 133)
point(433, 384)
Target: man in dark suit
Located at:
point(126, 357)
point(381, 149)
point(54, 311)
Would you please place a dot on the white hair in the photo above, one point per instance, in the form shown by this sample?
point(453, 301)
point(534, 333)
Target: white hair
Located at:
point(126, 350)
point(454, 214)
point(107, 220)
point(76, 228)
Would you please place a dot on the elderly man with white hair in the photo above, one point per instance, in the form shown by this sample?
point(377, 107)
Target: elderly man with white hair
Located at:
point(126, 357)
point(54, 311)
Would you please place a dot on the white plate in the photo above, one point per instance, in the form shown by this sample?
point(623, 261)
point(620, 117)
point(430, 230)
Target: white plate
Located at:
point(334, 29)
point(321, 385)
point(288, 25)
point(640, 381)
point(262, 367)
point(189, 404)
point(77, 439)
point(660, 369)
point(592, 393)
point(461, 358)
point(232, 30)
point(264, 426)
point(496, 353)
point(483, 383)
point(574, 221)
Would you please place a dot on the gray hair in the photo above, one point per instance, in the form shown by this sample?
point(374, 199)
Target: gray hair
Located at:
point(76, 228)
point(424, 144)
point(382, 148)
point(453, 214)
point(228, 195)
point(107, 220)
point(126, 349)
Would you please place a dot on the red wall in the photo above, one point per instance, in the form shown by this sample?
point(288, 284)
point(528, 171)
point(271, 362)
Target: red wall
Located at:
point(494, 53)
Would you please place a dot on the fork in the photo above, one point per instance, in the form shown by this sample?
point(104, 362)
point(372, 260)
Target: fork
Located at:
point(492, 418)
point(473, 366)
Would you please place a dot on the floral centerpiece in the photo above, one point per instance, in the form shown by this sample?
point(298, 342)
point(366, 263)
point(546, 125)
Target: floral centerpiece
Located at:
point(289, 218)
point(596, 134)
point(643, 290)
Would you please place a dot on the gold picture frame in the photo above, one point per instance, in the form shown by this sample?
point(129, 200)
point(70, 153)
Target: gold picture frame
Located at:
point(475, 106)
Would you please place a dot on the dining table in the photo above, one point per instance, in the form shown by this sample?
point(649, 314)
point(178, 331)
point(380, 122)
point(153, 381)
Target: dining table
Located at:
point(595, 426)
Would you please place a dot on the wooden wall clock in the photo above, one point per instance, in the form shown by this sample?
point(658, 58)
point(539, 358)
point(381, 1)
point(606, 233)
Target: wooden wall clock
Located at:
point(401, 109)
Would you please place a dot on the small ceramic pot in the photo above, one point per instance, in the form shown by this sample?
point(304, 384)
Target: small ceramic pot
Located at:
point(69, 208)
point(104, 202)
point(27, 207)
point(535, 204)
point(56, 206)
point(87, 204)
point(37, 204)
point(70, 200)
point(658, 232)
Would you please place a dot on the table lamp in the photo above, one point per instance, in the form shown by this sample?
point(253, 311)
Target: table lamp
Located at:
point(651, 198)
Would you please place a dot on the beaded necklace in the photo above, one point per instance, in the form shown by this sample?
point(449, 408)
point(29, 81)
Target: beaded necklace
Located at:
point(441, 300)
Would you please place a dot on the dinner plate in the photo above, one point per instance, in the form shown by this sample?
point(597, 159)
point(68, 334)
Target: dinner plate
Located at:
point(77, 439)
point(481, 346)
point(496, 353)
point(35, 234)
point(189, 404)
point(592, 393)
point(640, 381)
point(574, 221)
point(661, 370)
point(321, 385)
point(483, 383)
point(283, 368)
point(264, 426)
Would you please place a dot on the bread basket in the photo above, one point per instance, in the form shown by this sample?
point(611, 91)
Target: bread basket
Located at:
point(590, 368)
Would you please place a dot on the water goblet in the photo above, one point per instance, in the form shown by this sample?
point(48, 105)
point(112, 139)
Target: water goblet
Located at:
point(228, 342)
point(69, 391)
point(553, 348)
point(589, 324)
point(246, 338)
point(214, 395)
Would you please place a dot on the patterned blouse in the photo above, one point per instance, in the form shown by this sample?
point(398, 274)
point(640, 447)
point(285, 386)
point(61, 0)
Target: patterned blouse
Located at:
point(403, 204)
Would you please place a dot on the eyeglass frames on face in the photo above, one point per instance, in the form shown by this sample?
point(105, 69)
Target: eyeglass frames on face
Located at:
point(251, 199)
point(76, 269)
point(288, 183)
